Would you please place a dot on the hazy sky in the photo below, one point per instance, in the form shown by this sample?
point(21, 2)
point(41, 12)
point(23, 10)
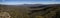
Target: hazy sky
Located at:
point(29, 2)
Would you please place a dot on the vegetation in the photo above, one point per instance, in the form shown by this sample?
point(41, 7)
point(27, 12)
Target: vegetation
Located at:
point(23, 12)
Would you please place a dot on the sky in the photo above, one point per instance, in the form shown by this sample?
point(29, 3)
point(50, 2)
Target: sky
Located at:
point(13, 2)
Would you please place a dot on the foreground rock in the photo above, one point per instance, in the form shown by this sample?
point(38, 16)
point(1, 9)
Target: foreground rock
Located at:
point(4, 15)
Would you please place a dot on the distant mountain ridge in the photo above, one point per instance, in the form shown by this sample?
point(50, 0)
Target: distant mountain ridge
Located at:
point(31, 5)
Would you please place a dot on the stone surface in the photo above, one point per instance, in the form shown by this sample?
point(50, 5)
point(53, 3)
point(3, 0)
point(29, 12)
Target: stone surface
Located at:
point(4, 15)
